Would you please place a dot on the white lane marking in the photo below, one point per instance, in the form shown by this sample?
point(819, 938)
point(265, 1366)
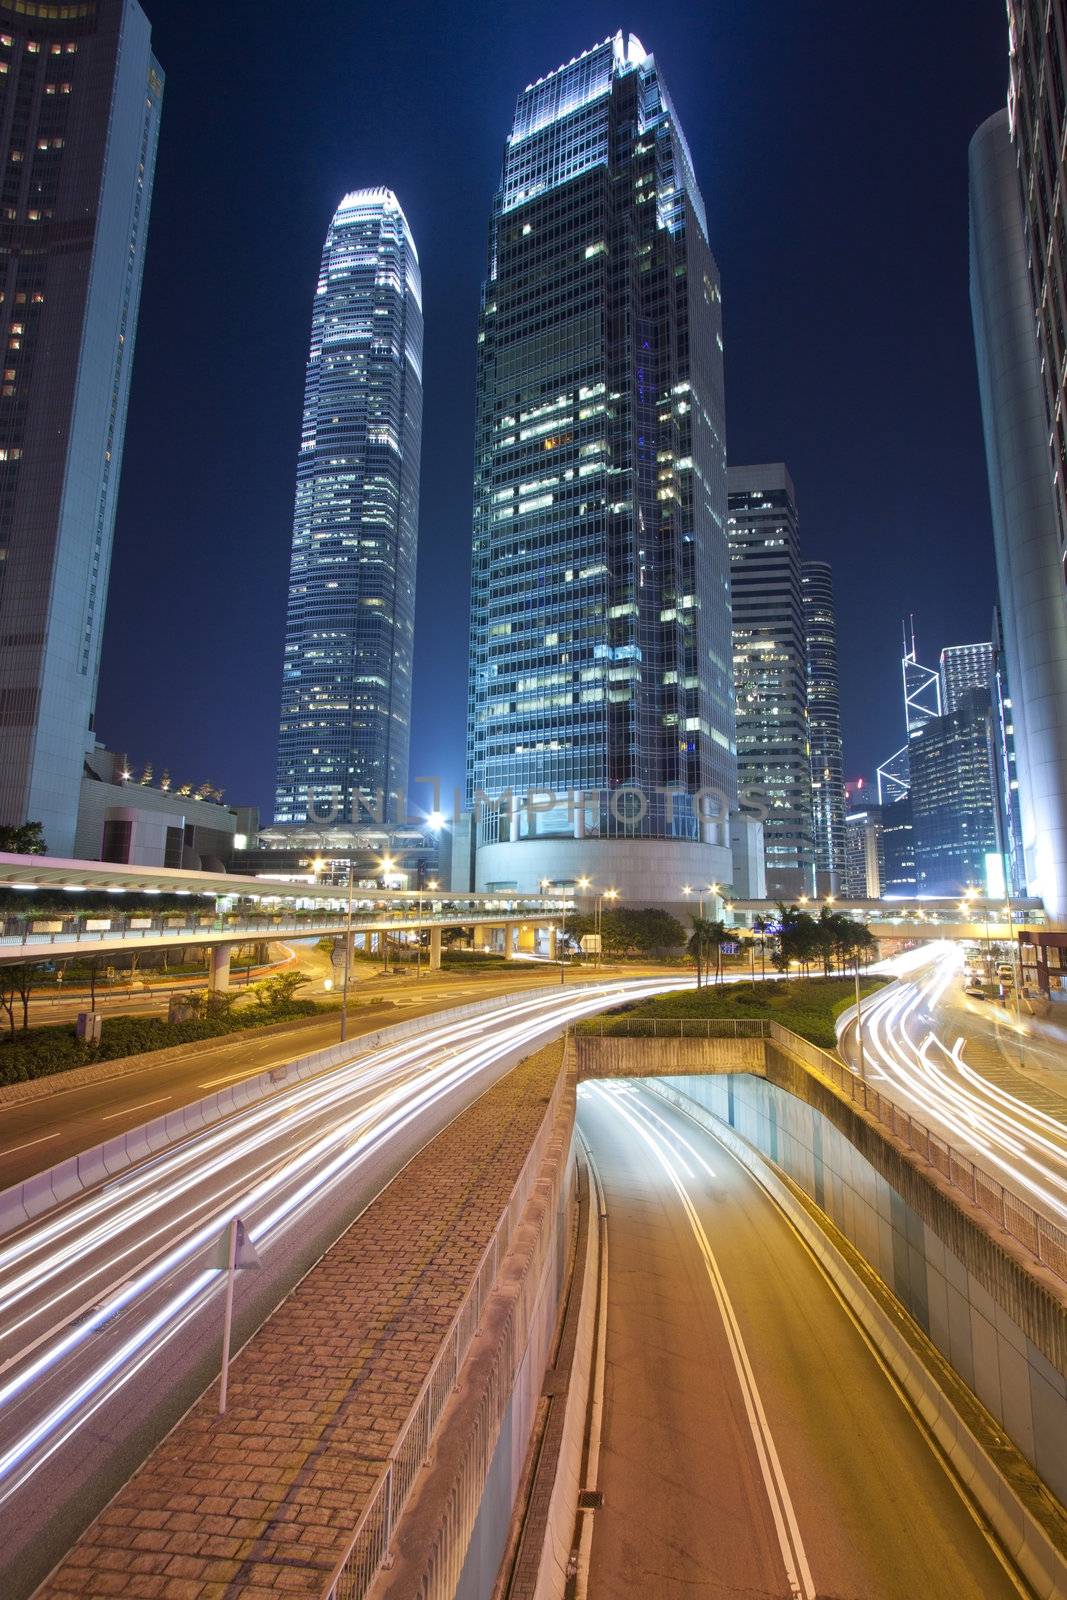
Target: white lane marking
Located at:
point(246, 1072)
point(9, 1150)
point(798, 1572)
point(126, 1110)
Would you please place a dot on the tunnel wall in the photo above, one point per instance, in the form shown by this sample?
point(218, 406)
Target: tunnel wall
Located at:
point(984, 1343)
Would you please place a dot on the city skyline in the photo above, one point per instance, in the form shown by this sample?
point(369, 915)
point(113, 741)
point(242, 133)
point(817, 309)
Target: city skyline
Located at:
point(438, 708)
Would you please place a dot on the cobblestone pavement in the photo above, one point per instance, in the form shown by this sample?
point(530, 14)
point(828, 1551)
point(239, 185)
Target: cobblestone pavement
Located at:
point(261, 1502)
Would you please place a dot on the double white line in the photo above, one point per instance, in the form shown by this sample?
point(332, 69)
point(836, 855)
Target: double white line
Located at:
point(798, 1573)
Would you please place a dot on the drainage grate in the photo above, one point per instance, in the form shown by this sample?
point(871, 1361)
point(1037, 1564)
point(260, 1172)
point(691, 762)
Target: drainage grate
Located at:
point(590, 1500)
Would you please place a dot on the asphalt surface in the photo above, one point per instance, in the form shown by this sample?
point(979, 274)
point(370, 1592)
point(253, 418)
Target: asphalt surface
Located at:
point(939, 1058)
point(40, 1133)
point(751, 1445)
point(110, 1303)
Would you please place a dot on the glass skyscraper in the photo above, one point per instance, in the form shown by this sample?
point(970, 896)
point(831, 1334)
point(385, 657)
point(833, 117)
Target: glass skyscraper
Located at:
point(346, 695)
point(600, 619)
point(80, 94)
point(824, 720)
point(770, 670)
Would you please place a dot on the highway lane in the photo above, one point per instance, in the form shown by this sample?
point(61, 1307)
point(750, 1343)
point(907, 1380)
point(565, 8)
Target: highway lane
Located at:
point(40, 1133)
point(751, 1443)
point(911, 1057)
point(108, 1303)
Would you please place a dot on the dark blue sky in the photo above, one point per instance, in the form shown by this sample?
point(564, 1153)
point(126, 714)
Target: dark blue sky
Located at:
point(830, 141)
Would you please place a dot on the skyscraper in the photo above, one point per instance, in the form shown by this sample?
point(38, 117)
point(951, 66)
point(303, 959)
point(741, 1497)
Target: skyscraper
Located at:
point(1025, 536)
point(824, 720)
point(80, 95)
point(346, 692)
point(952, 796)
point(600, 611)
point(1037, 106)
point(963, 667)
point(770, 670)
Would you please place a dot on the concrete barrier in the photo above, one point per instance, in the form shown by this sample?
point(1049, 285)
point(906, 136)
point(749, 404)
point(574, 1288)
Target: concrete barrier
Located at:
point(23, 1201)
point(1031, 1527)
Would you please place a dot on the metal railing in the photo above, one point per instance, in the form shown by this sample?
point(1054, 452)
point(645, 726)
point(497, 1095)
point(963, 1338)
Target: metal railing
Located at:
point(677, 1027)
point(367, 1549)
point(1046, 1240)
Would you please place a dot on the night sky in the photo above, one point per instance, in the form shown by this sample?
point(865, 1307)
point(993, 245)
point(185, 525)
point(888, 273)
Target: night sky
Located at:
point(830, 142)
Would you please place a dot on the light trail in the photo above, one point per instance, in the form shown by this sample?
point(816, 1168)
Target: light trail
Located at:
point(1021, 1145)
point(92, 1293)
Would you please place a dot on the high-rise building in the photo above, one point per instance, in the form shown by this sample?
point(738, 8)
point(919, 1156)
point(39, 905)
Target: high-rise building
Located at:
point(770, 670)
point(1026, 539)
point(1037, 107)
point(345, 727)
point(963, 667)
point(824, 722)
point(922, 701)
point(600, 717)
point(952, 797)
point(80, 94)
point(879, 851)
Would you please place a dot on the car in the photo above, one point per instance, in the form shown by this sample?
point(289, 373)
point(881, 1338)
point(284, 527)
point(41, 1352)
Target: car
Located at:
point(974, 989)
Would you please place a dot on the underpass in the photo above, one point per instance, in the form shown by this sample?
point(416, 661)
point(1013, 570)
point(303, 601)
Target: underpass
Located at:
point(751, 1442)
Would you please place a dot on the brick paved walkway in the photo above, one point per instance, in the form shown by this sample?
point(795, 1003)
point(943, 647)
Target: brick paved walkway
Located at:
point(262, 1502)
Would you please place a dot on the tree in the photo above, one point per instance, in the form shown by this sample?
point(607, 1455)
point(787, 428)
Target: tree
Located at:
point(24, 978)
point(277, 991)
point(25, 841)
point(762, 926)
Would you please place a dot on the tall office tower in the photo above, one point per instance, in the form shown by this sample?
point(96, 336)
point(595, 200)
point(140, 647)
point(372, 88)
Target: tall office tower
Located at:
point(963, 667)
point(952, 797)
point(80, 95)
point(1006, 768)
point(346, 691)
point(864, 860)
point(824, 722)
point(1037, 105)
point(770, 670)
point(1025, 537)
point(922, 701)
point(600, 607)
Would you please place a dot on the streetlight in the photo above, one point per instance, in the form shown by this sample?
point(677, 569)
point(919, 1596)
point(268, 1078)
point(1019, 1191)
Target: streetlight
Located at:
point(348, 955)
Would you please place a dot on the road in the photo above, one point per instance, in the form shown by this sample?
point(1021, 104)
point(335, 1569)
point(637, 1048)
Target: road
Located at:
point(938, 1061)
point(110, 1304)
point(40, 1133)
point(751, 1445)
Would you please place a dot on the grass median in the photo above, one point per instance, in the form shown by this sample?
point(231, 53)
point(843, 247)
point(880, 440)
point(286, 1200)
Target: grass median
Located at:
point(809, 1006)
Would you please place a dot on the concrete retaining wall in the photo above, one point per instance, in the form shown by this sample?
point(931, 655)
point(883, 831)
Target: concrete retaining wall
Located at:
point(974, 1329)
point(452, 1534)
point(1031, 1529)
point(613, 1055)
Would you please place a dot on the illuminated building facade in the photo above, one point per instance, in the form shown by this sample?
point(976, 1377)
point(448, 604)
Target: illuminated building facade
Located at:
point(824, 722)
point(80, 96)
point(963, 667)
point(770, 670)
point(953, 796)
point(600, 620)
point(346, 693)
point(1032, 666)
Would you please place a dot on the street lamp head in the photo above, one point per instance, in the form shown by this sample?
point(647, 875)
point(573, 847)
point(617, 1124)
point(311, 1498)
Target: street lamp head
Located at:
point(388, 864)
point(583, 883)
point(687, 888)
point(611, 894)
point(433, 884)
point(713, 888)
point(436, 821)
point(318, 865)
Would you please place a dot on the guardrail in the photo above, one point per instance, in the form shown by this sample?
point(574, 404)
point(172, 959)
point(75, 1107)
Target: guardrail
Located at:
point(359, 1566)
point(1038, 1234)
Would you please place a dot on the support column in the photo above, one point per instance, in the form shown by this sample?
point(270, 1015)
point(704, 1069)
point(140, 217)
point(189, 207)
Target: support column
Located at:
point(510, 929)
point(553, 944)
point(435, 949)
point(483, 936)
point(220, 967)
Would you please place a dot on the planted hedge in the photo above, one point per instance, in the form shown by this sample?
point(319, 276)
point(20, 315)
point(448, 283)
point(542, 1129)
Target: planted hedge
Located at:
point(809, 1006)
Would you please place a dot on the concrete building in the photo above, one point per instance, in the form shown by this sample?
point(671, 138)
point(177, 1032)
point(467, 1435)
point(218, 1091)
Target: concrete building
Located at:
point(770, 670)
point(963, 667)
point(345, 727)
point(824, 725)
point(1037, 109)
point(600, 608)
point(80, 94)
point(1026, 536)
point(148, 825)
